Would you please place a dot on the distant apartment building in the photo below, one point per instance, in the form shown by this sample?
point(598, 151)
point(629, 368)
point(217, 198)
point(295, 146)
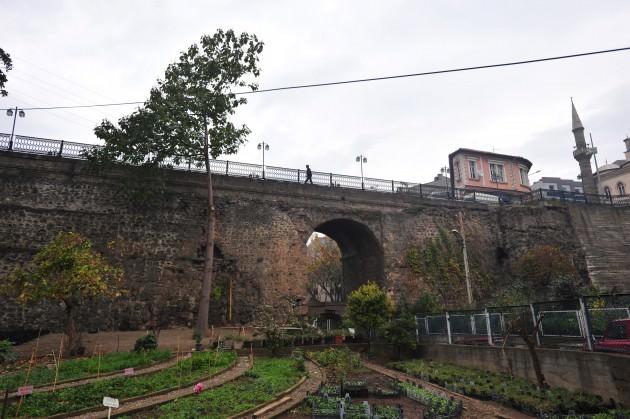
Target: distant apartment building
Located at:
point(483, 171)
point(558, 184)
point(615, 177)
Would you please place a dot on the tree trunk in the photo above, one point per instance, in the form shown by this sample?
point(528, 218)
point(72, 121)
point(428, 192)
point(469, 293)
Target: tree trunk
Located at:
point(74, 338)
point(206, 287)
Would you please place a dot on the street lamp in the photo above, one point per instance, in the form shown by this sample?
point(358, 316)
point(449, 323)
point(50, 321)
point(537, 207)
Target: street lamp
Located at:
point(462, 234)
point(264, 147)
point(14, 113)
point(361, 159)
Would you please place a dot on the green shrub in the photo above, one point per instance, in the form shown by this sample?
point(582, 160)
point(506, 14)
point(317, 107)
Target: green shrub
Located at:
point(7, 353)
point(339, 361)
point(147, 342)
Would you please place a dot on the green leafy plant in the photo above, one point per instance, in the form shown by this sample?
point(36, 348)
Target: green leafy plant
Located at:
point(269, 377)
point(368, 309)
point(339, 362)
point(186, 372)
point(68, 271)
point(147, 342)
point(7, 353)
point(72, 369)
point(511, 391)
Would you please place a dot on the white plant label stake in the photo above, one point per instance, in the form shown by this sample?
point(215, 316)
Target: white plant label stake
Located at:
point(110, 402)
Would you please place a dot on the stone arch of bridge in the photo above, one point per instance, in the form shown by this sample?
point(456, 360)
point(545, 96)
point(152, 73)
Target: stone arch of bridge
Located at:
point(361, 252)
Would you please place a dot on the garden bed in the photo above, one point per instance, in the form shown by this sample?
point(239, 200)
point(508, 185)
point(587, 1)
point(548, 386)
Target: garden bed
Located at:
point(73, 399)
point(261, 384)
point(82, 368)
point(510, 391)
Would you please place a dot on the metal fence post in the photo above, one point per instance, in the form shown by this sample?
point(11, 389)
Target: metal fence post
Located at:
point(587, 323)
point(420, 189)
point(189, 165)
point(331, 182)
point(298, 175)
point(60, 149)
point(531, 307)
point(227, 167)
point(448, 328)
point(542, 197)
point(488, 327)
point(426, 324)
point(392, 186)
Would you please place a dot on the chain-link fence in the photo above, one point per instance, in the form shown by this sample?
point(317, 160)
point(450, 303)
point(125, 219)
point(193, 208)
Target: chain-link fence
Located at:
point(599, 323)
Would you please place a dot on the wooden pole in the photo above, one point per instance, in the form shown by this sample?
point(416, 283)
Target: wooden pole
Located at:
point(98, 368)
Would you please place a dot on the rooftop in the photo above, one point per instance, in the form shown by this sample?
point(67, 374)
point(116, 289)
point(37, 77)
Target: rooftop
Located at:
point(490, 153)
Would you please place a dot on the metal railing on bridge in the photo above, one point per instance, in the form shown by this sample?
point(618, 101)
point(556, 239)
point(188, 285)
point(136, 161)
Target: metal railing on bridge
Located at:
point(75, 150)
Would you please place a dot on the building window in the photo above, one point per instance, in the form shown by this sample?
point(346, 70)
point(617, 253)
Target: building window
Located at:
point(496, 172)
point(472, 167)
point(607, 191)
point(552, 187)
point(524, 178)
point(578, 190)
point(458, 172)
point(565, 188)
point(622, 189)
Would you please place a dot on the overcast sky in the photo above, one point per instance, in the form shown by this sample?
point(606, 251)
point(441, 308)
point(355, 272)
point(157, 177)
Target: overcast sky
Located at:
point(82, 52)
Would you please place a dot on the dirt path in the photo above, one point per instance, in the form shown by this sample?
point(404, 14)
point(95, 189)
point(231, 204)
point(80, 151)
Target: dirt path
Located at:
point(77, 383)
point(312, 383)
point(473, 408)
point(241, 366)
point(124, 341)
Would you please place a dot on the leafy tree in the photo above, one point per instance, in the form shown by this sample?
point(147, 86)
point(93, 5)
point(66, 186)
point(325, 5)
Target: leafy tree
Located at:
point(325, 279)
point(545, 271)
point(5, 58)
point(69, 271)
point(186, 120)
point(368, 309)
point(400, 332)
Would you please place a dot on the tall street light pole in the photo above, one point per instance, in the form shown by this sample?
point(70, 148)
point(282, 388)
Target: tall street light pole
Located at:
point(361, 159)
point(462, 234)
point(14, 113)
point(264, 147)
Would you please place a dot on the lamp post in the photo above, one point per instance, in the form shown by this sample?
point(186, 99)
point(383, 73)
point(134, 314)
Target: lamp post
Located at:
point(14, 113)
point(445, 172)
point(462, 234)
point(361, 159)
point(264, 147)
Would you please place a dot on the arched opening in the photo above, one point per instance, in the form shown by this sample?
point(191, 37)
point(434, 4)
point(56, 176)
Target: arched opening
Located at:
point(360, 259)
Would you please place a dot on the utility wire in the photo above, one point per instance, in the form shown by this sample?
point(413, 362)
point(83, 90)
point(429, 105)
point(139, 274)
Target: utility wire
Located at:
point(399, 76)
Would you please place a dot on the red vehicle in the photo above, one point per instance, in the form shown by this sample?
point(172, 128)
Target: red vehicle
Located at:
point(616, 337)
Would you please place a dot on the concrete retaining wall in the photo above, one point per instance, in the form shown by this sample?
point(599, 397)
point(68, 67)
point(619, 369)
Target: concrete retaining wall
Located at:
point(607, 375)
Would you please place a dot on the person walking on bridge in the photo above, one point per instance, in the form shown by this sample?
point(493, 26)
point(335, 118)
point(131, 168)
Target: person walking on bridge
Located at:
point(309, 175)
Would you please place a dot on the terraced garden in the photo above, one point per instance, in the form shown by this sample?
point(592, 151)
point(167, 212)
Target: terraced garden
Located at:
point(185, 372)
point(261, 384)
point(74, 369)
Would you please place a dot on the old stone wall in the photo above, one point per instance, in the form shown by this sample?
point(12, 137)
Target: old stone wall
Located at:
point(607, 375)
point(261, 231)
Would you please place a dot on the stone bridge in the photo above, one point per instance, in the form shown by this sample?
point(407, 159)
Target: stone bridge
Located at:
point(261, 233)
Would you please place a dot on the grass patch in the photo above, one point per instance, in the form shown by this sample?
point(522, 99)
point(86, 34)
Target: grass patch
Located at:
point(83, 367)
point(91, 395)
point(269, 377)
point(510, 391)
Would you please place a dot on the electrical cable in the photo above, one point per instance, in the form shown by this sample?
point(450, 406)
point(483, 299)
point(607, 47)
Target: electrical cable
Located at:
point(371, 79)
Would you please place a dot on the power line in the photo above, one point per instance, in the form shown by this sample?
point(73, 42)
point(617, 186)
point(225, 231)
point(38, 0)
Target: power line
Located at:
point(371, 79)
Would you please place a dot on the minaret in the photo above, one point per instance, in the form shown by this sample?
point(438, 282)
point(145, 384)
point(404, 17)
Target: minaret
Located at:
point(582, 154)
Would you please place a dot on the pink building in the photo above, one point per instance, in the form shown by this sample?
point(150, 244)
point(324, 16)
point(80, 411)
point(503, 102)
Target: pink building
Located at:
point(484, 171)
